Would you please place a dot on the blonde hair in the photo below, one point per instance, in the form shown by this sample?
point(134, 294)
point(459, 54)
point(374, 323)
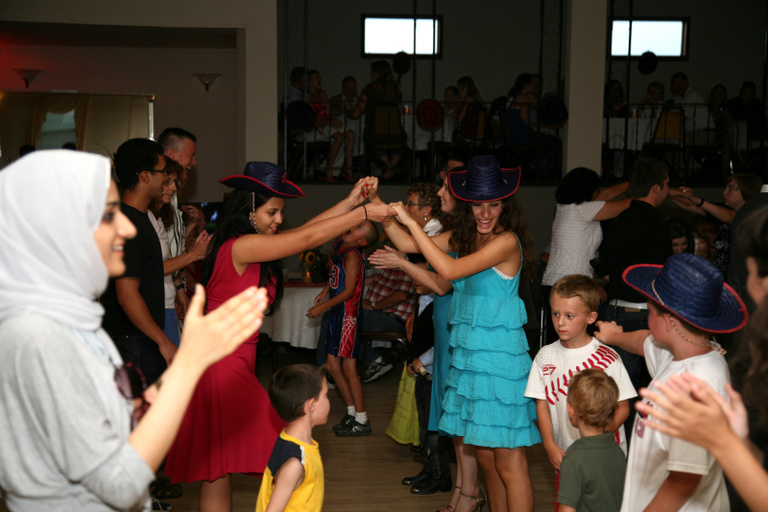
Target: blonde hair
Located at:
point(594, 396)
point(576, 285)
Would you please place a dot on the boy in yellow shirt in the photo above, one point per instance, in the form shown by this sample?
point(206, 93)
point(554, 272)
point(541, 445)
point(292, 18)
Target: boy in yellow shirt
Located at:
point(293, 479)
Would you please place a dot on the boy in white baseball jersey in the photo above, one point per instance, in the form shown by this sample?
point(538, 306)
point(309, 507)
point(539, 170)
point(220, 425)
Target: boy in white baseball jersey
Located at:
point(574, 300)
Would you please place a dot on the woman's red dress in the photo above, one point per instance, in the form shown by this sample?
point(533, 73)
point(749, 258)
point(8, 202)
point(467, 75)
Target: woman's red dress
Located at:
point(230, 425)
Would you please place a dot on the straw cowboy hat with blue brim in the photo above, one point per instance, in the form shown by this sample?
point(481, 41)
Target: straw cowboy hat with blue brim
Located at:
point(484, 180)
point(691, 288)
point(263, 178)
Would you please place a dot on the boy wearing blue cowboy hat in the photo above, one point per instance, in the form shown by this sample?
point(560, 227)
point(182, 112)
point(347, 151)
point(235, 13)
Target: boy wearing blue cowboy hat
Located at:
point(687, 303)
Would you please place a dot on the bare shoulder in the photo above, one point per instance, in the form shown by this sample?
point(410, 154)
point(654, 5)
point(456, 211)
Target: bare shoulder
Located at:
point(509, 239)
point(352, 257)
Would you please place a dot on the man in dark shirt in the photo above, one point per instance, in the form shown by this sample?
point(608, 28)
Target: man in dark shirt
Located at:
point(134, 303)
point(638, 235)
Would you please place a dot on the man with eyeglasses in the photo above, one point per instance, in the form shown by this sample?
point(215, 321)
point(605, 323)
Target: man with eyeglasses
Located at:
point(134, 302)
point(180, 146)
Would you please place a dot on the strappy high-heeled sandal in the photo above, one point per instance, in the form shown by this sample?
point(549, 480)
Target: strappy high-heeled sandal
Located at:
point(451, 508)
point(480, 500)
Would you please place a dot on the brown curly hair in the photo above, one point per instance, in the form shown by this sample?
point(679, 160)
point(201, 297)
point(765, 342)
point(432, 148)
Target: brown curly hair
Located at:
point(427, 194)
point(512, 218)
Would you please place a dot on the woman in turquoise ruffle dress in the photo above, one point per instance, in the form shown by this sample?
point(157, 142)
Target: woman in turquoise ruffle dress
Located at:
point(484, 400)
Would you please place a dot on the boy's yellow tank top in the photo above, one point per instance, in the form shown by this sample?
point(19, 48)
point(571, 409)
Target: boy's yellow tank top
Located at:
point(311, 492)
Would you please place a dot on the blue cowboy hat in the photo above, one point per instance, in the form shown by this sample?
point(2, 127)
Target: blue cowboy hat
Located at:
point(484, 180)
point(693, 289)
point(263, 178)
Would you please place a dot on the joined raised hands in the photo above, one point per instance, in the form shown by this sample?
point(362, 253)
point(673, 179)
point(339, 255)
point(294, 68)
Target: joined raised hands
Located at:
point(378, 212)
point(403, 216)
point(362, 190)
point(685, 198)
point(372, 190)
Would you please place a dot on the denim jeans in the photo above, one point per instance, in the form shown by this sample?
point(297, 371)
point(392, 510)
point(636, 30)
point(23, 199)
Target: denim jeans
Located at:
point(171, 327)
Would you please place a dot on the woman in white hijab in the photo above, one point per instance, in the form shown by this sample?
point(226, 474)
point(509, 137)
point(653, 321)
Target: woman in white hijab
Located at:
point(67, 441)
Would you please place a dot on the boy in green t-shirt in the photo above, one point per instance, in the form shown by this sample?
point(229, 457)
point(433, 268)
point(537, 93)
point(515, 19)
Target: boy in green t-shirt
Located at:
point(592, 471)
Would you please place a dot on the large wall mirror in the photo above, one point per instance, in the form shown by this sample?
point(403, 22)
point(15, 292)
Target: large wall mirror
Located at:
point(97, 123)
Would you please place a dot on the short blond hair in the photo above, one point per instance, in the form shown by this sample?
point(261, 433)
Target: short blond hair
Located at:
point(576, 285)
point(594, 396)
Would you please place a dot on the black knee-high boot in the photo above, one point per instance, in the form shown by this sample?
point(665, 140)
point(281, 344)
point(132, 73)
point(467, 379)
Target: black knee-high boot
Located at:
point(437, 466)
point(424, 475)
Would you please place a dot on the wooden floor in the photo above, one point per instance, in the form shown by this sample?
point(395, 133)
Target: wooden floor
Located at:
point(363, 474)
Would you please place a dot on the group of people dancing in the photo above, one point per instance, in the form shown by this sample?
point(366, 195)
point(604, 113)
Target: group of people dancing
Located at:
point(83, 416)
point(49, 315)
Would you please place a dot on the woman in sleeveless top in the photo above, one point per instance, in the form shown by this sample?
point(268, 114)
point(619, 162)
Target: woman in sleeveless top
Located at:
point(484, 402)
point(230, 426)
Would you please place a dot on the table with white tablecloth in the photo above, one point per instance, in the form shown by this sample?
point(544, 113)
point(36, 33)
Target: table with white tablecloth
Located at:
point(290, 324)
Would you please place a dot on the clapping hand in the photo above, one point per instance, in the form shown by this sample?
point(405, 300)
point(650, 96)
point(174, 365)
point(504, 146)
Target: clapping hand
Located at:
point(388, 257)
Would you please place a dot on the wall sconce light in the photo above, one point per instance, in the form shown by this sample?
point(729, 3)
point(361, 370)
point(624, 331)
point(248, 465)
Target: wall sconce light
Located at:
point(27, 74)
point(206, 79)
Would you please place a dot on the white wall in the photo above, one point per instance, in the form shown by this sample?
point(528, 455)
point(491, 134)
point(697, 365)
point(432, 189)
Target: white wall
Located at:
point(234, 122)
point(180, 99)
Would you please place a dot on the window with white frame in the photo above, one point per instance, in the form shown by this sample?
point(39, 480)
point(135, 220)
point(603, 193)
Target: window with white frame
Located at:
point(388, 35)
point(666, 38)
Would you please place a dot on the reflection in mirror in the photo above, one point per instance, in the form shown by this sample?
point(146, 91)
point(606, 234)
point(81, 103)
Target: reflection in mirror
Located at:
point(58, 129)
point(99, 123)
